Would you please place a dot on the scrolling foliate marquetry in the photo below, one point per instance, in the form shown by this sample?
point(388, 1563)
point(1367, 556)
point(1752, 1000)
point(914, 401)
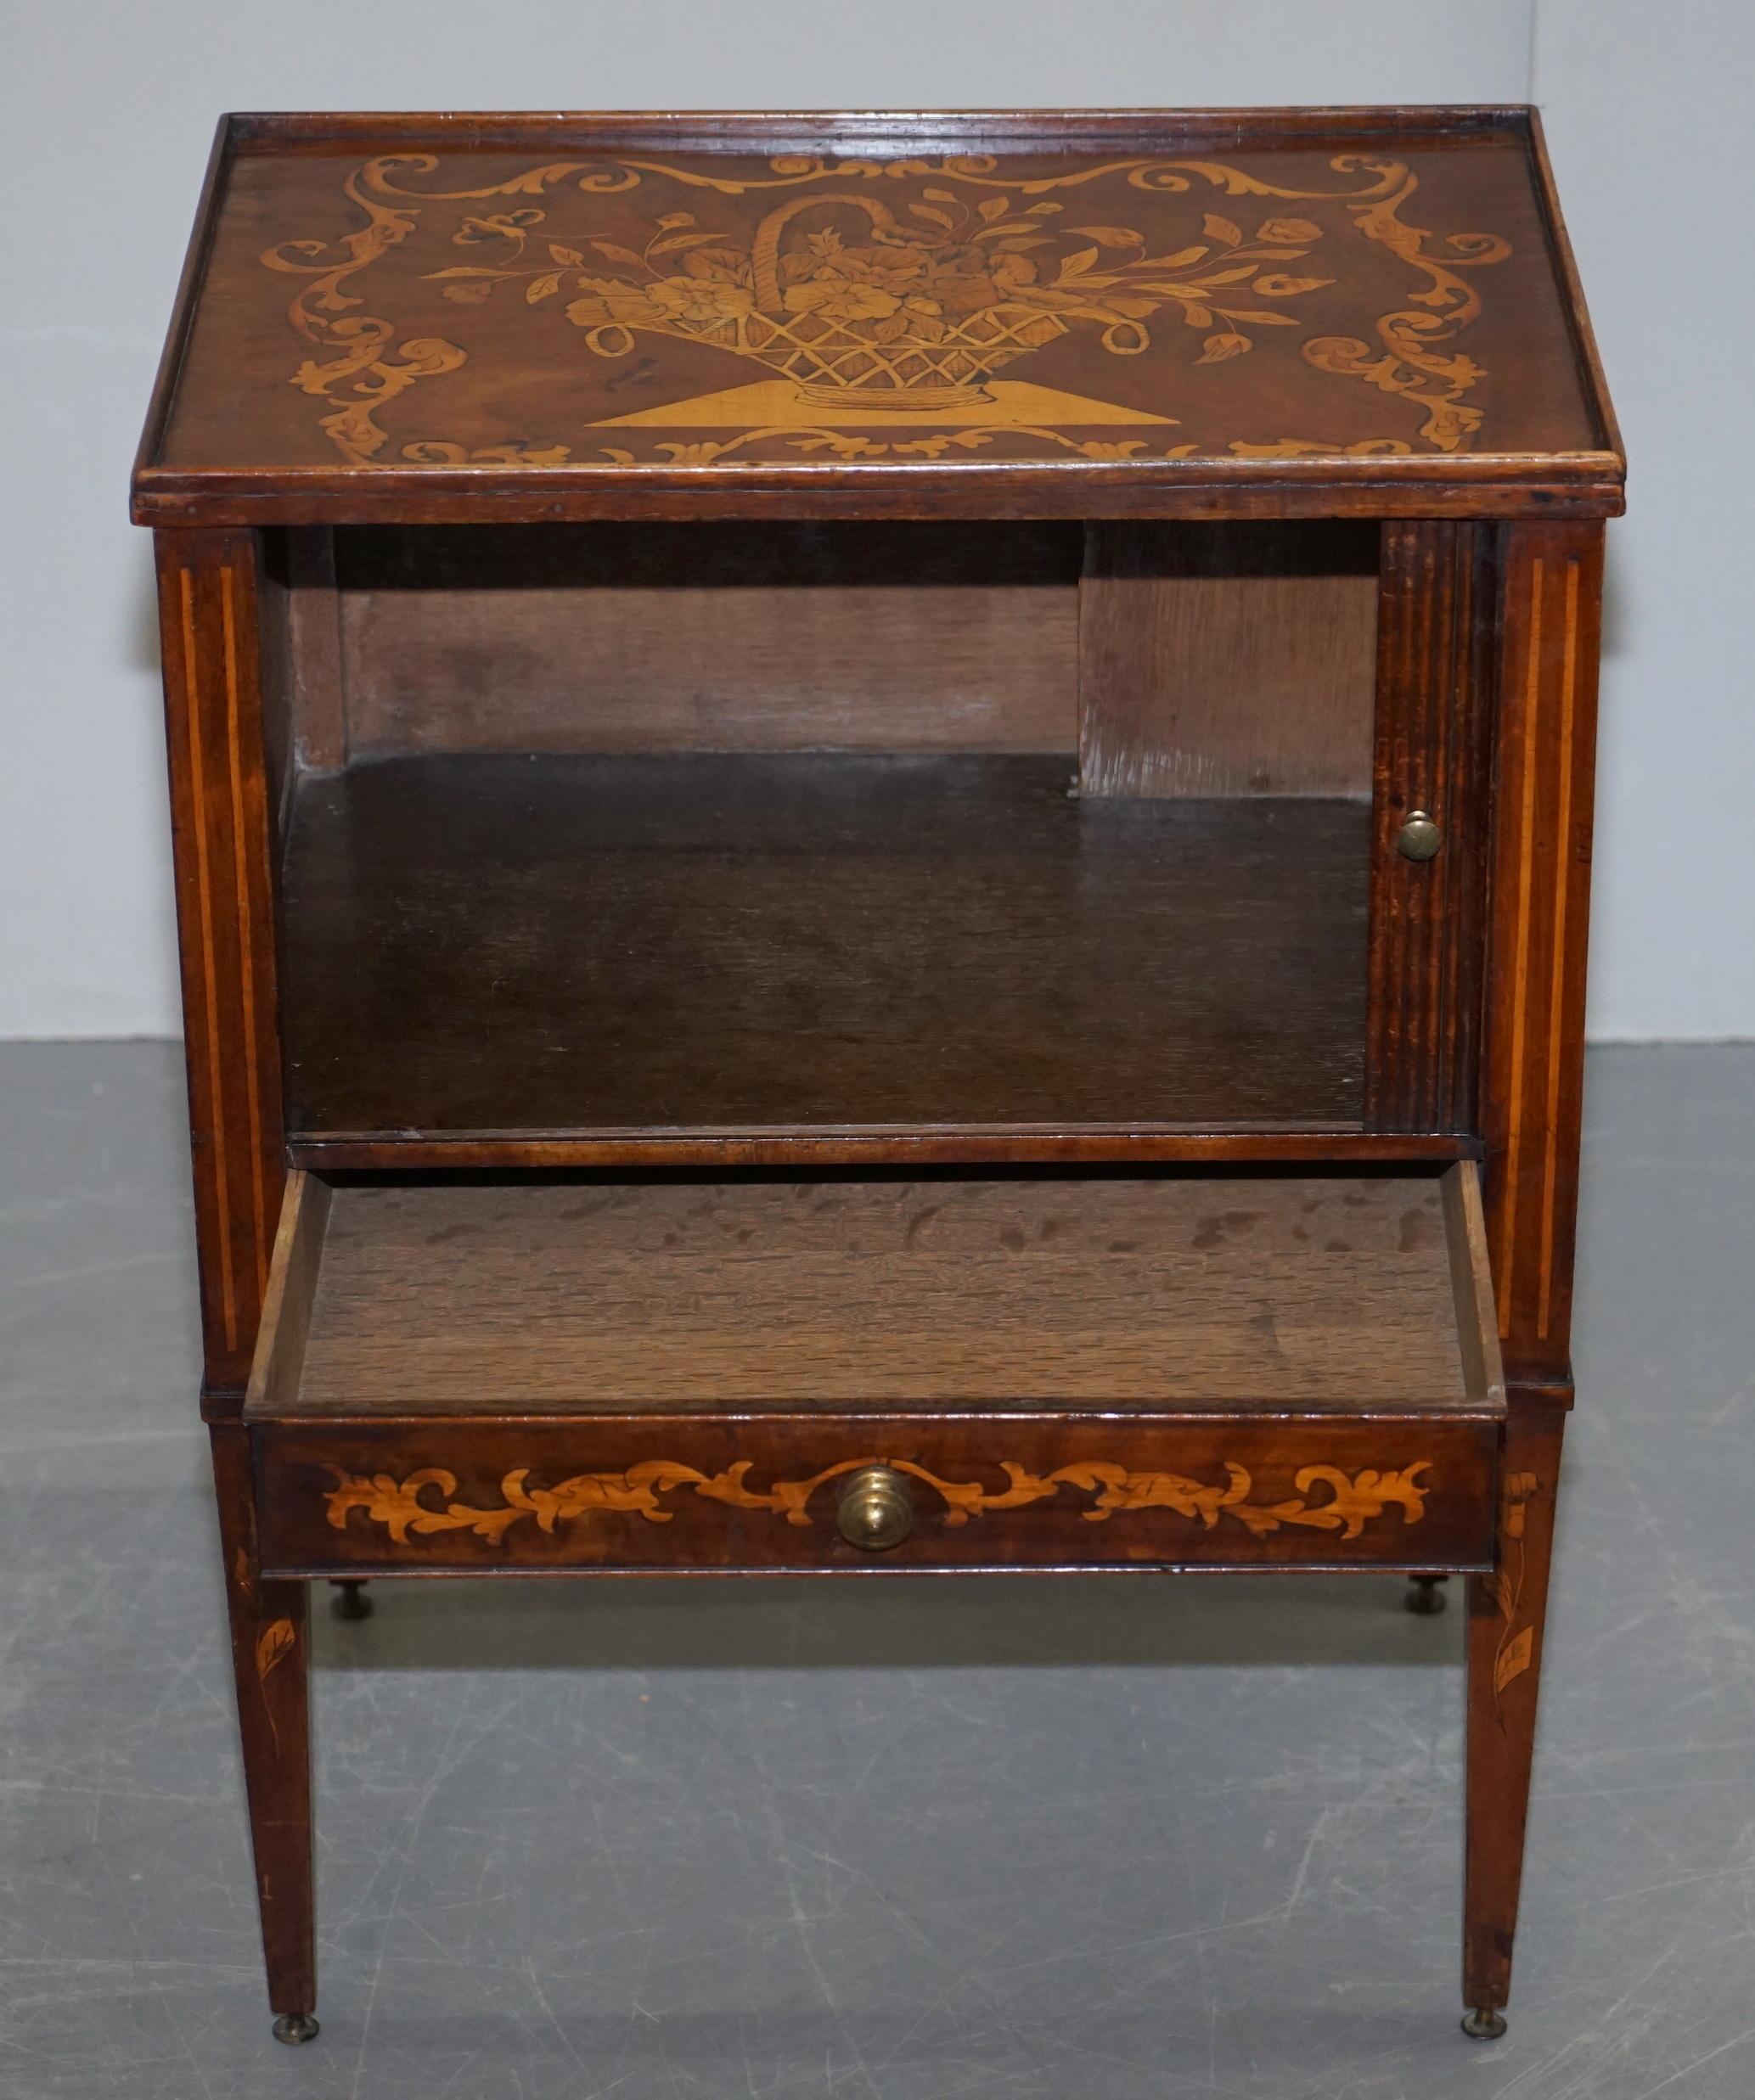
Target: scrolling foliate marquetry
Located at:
point(1351, 1500)
point(894, 309)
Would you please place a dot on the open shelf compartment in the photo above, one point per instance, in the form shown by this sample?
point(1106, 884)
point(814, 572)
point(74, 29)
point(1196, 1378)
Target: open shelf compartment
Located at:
point(607, 834)
point(624, 944)
point(1066, 1370)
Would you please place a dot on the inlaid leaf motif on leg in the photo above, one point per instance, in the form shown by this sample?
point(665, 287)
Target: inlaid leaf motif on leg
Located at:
point(1517, 1647)
point(273, 1646)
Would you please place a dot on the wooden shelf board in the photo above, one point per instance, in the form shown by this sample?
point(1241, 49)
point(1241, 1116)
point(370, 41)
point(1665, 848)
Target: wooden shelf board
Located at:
point(479, 945)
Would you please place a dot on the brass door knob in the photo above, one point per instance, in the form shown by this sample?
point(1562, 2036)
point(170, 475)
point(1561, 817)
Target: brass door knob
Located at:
point(1419, 838)
point(875, 1511)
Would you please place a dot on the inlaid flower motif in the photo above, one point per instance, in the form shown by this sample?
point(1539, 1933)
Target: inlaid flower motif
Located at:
point(941, 294)
point(701, 301)
point(1288, 232)
point(877, 282)
point(838, 298)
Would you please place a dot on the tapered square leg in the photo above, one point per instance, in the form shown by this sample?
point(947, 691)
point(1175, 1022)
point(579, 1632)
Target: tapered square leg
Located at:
point(270, 1661)
point(1506, 1612)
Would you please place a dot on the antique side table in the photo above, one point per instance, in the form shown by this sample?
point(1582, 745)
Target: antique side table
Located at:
point(882, 835)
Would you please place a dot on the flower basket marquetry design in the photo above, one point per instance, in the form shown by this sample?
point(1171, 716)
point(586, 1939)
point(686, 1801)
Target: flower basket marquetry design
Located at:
point(873, 294)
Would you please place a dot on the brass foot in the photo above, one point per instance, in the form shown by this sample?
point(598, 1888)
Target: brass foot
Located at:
point(1484, 2024)
point(350, 1601)
point(1425, 1596)
point(293, 2028)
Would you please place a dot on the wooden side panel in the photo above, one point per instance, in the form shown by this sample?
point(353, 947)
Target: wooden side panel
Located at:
point(751, 637)
point(319, 692)
point(1434, 725)
point(208, 618)
point(304, 706)
point(275, 661)
point(1471, 1282)
point(292, 1290)
point(1227, 658)
point(1540, 914)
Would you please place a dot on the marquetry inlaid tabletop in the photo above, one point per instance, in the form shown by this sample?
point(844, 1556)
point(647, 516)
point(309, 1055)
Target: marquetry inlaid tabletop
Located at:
point(569, 299)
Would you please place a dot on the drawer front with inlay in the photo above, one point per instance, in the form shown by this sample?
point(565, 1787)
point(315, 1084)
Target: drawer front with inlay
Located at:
point(804, 1494)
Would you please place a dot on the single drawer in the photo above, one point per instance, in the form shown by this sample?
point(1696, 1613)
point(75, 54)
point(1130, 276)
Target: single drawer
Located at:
point(1066, 1371)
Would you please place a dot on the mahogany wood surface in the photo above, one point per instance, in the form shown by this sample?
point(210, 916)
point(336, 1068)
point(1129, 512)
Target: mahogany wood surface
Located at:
point(219, 813)
point(293, 1275)
point(1507, 1613)
point(586, 833)
point(275, 657)
point(1533, 1098)
point(270, 1628)
point(1471, 1282)
point(607, 315)
point(800, 1148)
point(303, 649)
point(713, 1494)
point(560, 945)
point(780, 1292)
point(577, 639)
point(710, 1358)
point(1439, 607)
point(1228, 659)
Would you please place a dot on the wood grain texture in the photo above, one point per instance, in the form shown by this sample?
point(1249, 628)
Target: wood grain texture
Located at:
point(781, 1293)
point(1041, 411)
point(1434, 725)
point(1355, 128)
point(275, 664)
point(1215, 490)
point(1223, 660)
point(690, 637)
point(710, 1494)
point(1591, 377)
point(293, 1276)
point(622, 944)
point(319, 681)
point(220, 820)
point(1507, 1613)
point(809, 1150)
point(1540, 923)
point(304, 702)
point(228, 138)
point(271, 1664)
point(1471, 1282)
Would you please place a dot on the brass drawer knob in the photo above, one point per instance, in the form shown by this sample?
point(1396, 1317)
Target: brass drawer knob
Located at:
point(1419, 838)
point(875, 1511)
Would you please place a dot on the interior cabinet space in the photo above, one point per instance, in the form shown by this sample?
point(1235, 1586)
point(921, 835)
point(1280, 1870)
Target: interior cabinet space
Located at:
point(625, 827)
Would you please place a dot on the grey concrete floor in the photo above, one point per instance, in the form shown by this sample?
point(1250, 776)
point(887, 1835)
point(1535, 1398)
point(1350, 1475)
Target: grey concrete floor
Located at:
point(1043, 1840)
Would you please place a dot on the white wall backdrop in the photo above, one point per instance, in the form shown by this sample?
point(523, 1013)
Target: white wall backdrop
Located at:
point(108, 110)
point(1646, 110)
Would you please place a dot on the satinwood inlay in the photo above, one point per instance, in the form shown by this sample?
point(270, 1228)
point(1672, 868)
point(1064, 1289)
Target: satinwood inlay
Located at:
point(1350, 1501)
